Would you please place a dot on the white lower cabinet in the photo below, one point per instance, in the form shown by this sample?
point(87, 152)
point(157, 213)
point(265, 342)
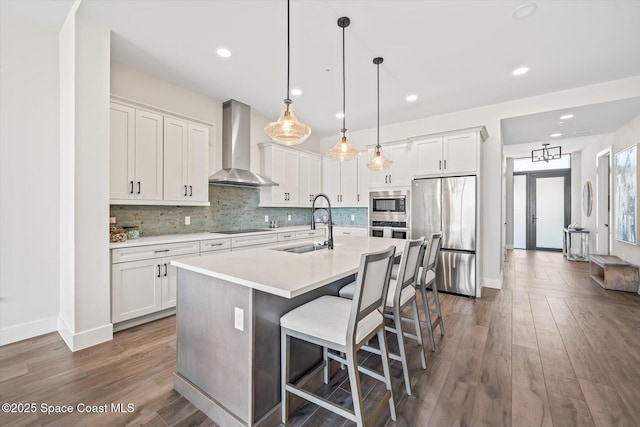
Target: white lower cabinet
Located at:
point(142, 279)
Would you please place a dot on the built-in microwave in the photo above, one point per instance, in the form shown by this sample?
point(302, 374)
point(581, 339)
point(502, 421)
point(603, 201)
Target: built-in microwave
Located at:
point(389, 205)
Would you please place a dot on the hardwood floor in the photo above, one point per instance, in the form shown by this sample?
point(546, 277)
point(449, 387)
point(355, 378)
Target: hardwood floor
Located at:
point(550, 348)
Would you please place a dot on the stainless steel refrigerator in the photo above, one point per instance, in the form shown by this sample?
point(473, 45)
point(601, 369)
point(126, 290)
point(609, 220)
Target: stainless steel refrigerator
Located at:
point(448, 204)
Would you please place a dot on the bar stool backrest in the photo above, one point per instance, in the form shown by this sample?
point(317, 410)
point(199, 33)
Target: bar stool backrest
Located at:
point(432, 255)
point(409, 263)
point(372, 284)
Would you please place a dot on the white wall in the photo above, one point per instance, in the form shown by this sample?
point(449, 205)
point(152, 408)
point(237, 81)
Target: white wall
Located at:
point(490, 117)
point(29, 189)
point(624, 137)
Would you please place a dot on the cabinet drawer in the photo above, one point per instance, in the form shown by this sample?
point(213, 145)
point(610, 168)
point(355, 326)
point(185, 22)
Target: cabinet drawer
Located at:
point(349, 231)
point(259, 239)
point(310, 234)
point(284, 237)
point(138, 253)
point(215, 245)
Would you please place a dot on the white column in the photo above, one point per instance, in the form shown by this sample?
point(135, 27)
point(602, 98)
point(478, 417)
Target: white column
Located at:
point(85, 318)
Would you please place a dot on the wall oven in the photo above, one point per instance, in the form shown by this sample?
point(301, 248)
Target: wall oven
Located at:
point(389, 214)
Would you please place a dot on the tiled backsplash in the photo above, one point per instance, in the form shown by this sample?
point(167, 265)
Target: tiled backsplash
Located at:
point(231, 208)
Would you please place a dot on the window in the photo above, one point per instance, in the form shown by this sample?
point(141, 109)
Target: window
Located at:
point(525, 164)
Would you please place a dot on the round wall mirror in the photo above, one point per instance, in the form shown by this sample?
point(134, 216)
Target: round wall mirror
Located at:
point(587, 198)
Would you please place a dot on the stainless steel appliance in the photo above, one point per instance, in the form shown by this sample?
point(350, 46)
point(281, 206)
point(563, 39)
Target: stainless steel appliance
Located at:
point(449, 204)
point(389, 214)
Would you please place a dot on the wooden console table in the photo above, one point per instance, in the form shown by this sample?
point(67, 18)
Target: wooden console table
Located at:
point(611, 272)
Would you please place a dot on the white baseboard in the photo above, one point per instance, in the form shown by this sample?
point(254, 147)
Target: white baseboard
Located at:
point(84, 339)
point(492, 283)
point(27, 330)
point(509, 247)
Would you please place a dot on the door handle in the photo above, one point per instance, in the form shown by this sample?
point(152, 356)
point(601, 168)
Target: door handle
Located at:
point(139, 187)
point(131, 187)
point(445, 164)
point(385, 179)
point(185, 191)
point(439, 164)
point(158, 270)
point(166, 270)
point(389, 179)
point(190, 190)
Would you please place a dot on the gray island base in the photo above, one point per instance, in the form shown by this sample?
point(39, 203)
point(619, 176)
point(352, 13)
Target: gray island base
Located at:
point(228, 325)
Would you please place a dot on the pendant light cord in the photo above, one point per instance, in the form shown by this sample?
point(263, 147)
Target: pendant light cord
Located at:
point(378, 137)
point(288, 52)
point(344, 112)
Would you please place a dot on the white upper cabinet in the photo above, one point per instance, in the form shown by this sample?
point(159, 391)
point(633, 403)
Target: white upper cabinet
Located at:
point(310, 178)
point(298, 174)
point(148, 156)
point(185, 161)
point(363, 179)
point(340, 181)
point(449, 154)
point(122, 152)
point(135, 154)
point(156, 159)
point(401, 171)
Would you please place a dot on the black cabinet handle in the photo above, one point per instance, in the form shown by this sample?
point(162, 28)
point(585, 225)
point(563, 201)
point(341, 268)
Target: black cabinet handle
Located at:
point(185, 191)
point(190, 190)
point(138, 187)
point(385, 179)
point(158, 270)
point(389, 179)
point(440, 164)
point(445, 164)
point(166, 270)
point(131, 187)
point(358, 199)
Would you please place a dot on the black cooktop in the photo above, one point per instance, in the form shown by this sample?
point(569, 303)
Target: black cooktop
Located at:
point(254, 230)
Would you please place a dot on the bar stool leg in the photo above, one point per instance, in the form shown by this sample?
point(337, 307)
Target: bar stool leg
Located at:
point(436, 299)
point(356, 391)
point(427, 314)
point(325, 370)
point(416, 321)
point(403, 352)
point(384, 350)
point(284, 372)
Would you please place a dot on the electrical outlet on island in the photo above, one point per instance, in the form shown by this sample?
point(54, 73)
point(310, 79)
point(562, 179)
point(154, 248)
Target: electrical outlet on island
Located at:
point(187, 220)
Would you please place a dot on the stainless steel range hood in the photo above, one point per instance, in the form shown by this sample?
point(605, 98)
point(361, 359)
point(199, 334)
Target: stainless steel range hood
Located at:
point(236, 149)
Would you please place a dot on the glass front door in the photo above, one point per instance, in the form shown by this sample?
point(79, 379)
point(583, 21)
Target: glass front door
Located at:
point(549, 214)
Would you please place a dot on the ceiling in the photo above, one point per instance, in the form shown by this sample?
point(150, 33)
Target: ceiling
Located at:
point(453, 55)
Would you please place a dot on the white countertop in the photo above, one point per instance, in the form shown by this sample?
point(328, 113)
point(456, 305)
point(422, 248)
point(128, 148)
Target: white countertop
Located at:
point(188, 237)
point(289, 274)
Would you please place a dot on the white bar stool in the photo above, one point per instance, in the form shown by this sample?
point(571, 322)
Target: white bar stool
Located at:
point(401, 293)
point(344, 326)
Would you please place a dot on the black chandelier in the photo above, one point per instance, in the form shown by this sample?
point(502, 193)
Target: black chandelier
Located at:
point(546, 153)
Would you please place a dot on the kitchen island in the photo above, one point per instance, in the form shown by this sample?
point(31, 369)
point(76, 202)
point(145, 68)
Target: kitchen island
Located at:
point(228, 323)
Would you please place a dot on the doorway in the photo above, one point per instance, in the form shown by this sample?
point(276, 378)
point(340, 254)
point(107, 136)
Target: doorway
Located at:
point(603, 202)
point(542, 208)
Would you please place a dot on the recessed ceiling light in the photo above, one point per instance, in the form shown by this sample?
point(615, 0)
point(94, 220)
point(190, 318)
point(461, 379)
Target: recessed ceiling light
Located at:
point(556, 135)
point(524, 11)
point(566, 117)
point(411, 98)
point(296, 92)
point(520, 71)
point(339, 115)
point(224, 53)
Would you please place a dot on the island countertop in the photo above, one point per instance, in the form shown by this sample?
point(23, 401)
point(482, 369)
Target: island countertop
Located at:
point(288, 274)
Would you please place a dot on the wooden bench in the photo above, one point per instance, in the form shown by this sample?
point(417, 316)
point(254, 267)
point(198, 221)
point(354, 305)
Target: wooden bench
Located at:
point(611, 272)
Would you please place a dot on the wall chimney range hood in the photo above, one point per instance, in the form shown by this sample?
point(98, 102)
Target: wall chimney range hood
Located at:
point(236, 149)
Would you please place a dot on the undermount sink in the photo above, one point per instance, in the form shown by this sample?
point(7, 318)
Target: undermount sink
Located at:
point(303, 249)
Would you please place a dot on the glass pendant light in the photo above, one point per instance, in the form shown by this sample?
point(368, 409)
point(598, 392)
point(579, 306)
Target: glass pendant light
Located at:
point(343, 150)
point(288, 130)
point(378, 162)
